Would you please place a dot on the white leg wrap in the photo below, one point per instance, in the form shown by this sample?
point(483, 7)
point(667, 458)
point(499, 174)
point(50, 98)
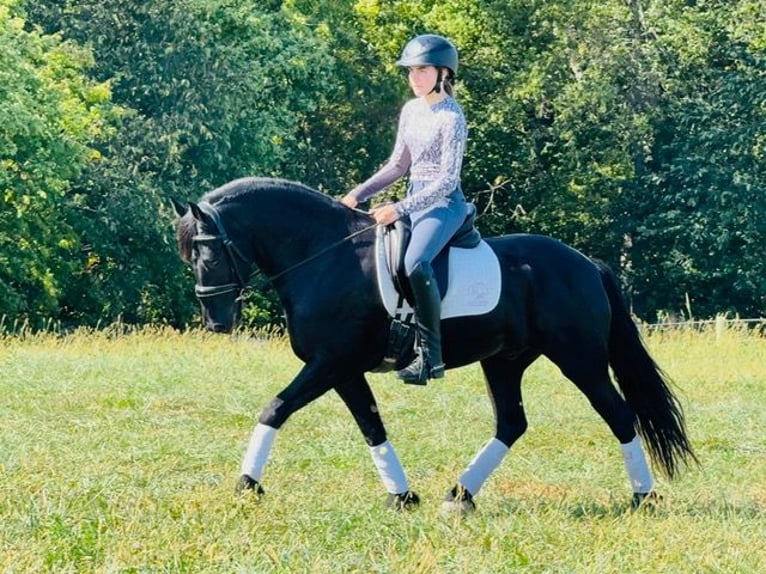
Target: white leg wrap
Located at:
point(638, 470)
point(482, 465)
point(389, 468)
point(258, 451)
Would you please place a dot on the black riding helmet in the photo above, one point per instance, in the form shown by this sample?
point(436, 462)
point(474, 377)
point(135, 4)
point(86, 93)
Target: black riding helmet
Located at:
point(430, 50)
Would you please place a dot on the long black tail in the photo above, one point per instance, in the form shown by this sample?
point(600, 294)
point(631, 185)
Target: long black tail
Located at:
point(646, 388)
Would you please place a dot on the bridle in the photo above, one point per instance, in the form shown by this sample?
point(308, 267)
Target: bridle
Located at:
point(234, 255)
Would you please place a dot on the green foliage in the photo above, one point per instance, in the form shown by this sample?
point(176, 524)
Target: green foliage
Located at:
point(210, 92)
point(228, 85)
point(702, 199)
point(352, 132)
point(605, 125)
point(49, 116)
point(632, 130)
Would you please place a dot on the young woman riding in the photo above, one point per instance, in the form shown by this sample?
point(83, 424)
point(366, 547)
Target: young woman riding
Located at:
point(430, 144)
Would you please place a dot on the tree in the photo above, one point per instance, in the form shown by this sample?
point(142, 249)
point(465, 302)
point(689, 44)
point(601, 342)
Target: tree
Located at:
point(631, 130)
point(49, 115)
point(210, 91)
point(352, 132)
point(701, 202)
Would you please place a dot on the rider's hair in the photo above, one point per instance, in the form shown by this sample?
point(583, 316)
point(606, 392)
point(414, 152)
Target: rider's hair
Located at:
point(447, 84)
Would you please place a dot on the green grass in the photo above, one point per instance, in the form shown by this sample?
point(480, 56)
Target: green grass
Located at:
point(119, 451)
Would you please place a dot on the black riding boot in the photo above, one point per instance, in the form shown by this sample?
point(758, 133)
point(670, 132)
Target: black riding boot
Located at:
point(428, 362)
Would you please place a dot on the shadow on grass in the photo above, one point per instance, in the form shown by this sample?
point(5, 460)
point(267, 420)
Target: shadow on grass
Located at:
point(580, 509)
point(612, 509)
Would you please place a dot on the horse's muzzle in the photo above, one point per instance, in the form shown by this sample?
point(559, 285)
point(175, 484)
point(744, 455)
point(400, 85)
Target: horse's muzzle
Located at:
point(220, 328)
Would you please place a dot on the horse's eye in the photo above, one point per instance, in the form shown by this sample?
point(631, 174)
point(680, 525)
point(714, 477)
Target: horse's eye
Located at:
point(207, 252)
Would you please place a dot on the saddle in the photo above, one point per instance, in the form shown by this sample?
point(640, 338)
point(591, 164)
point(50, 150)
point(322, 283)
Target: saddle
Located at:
point(467, 272)
point(396, 238)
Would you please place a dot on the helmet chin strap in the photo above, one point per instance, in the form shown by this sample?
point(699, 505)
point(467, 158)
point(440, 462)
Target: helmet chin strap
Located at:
point(438, 86)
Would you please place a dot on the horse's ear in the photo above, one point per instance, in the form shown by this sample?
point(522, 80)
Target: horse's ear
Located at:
point(180, 208)
point(202, 218)
point(197, 212)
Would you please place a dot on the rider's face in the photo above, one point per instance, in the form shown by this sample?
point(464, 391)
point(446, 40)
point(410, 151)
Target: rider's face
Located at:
point(422, 79)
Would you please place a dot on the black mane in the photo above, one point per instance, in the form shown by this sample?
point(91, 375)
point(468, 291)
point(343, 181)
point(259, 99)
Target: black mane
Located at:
point(243, 189)
point(248, 185)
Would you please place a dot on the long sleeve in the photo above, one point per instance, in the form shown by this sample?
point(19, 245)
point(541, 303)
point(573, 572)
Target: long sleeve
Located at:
point(396, 167)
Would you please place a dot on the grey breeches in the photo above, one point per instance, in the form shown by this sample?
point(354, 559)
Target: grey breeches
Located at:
point(431, 230)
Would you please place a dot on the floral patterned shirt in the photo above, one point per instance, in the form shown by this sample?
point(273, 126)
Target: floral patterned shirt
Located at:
point(430, 143)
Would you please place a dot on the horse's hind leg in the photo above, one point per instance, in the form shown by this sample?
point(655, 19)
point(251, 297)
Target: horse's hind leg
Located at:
point(503, 378)
point(587, 368)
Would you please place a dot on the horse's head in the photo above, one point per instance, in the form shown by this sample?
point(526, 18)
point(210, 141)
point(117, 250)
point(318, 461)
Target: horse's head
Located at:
point(276, 226)
point(220, 269)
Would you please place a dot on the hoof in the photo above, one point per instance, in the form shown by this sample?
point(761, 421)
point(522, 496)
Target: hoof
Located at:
point(246, 485)
point(645, 500)
point(407, 500)
point(458, 501)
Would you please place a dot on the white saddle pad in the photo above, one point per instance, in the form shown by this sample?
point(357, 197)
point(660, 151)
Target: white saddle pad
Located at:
point(474, 283)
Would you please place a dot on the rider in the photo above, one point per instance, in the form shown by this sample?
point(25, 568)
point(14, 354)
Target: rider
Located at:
point(430, 143)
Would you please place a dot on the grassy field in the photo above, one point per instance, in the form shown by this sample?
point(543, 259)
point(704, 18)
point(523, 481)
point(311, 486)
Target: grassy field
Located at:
point(119, 451)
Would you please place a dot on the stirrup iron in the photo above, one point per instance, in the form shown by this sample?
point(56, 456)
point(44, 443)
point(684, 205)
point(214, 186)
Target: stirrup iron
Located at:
point(419, 371)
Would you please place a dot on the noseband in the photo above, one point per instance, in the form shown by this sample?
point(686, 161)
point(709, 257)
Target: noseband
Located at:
point(233, 254)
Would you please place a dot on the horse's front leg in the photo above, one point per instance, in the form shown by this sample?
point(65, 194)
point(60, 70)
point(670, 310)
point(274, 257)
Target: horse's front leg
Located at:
point(357, 395)
point(314, 380)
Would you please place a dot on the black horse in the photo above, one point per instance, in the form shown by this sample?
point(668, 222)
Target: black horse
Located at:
point(319, 256)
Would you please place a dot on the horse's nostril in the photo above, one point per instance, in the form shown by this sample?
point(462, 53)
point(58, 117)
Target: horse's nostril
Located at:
point(219, 328)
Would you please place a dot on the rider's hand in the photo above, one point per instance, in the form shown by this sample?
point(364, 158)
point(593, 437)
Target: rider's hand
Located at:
point(349, 201)
point(385, 214)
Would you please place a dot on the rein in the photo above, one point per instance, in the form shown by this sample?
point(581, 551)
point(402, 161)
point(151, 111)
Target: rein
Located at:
point(233, 253)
